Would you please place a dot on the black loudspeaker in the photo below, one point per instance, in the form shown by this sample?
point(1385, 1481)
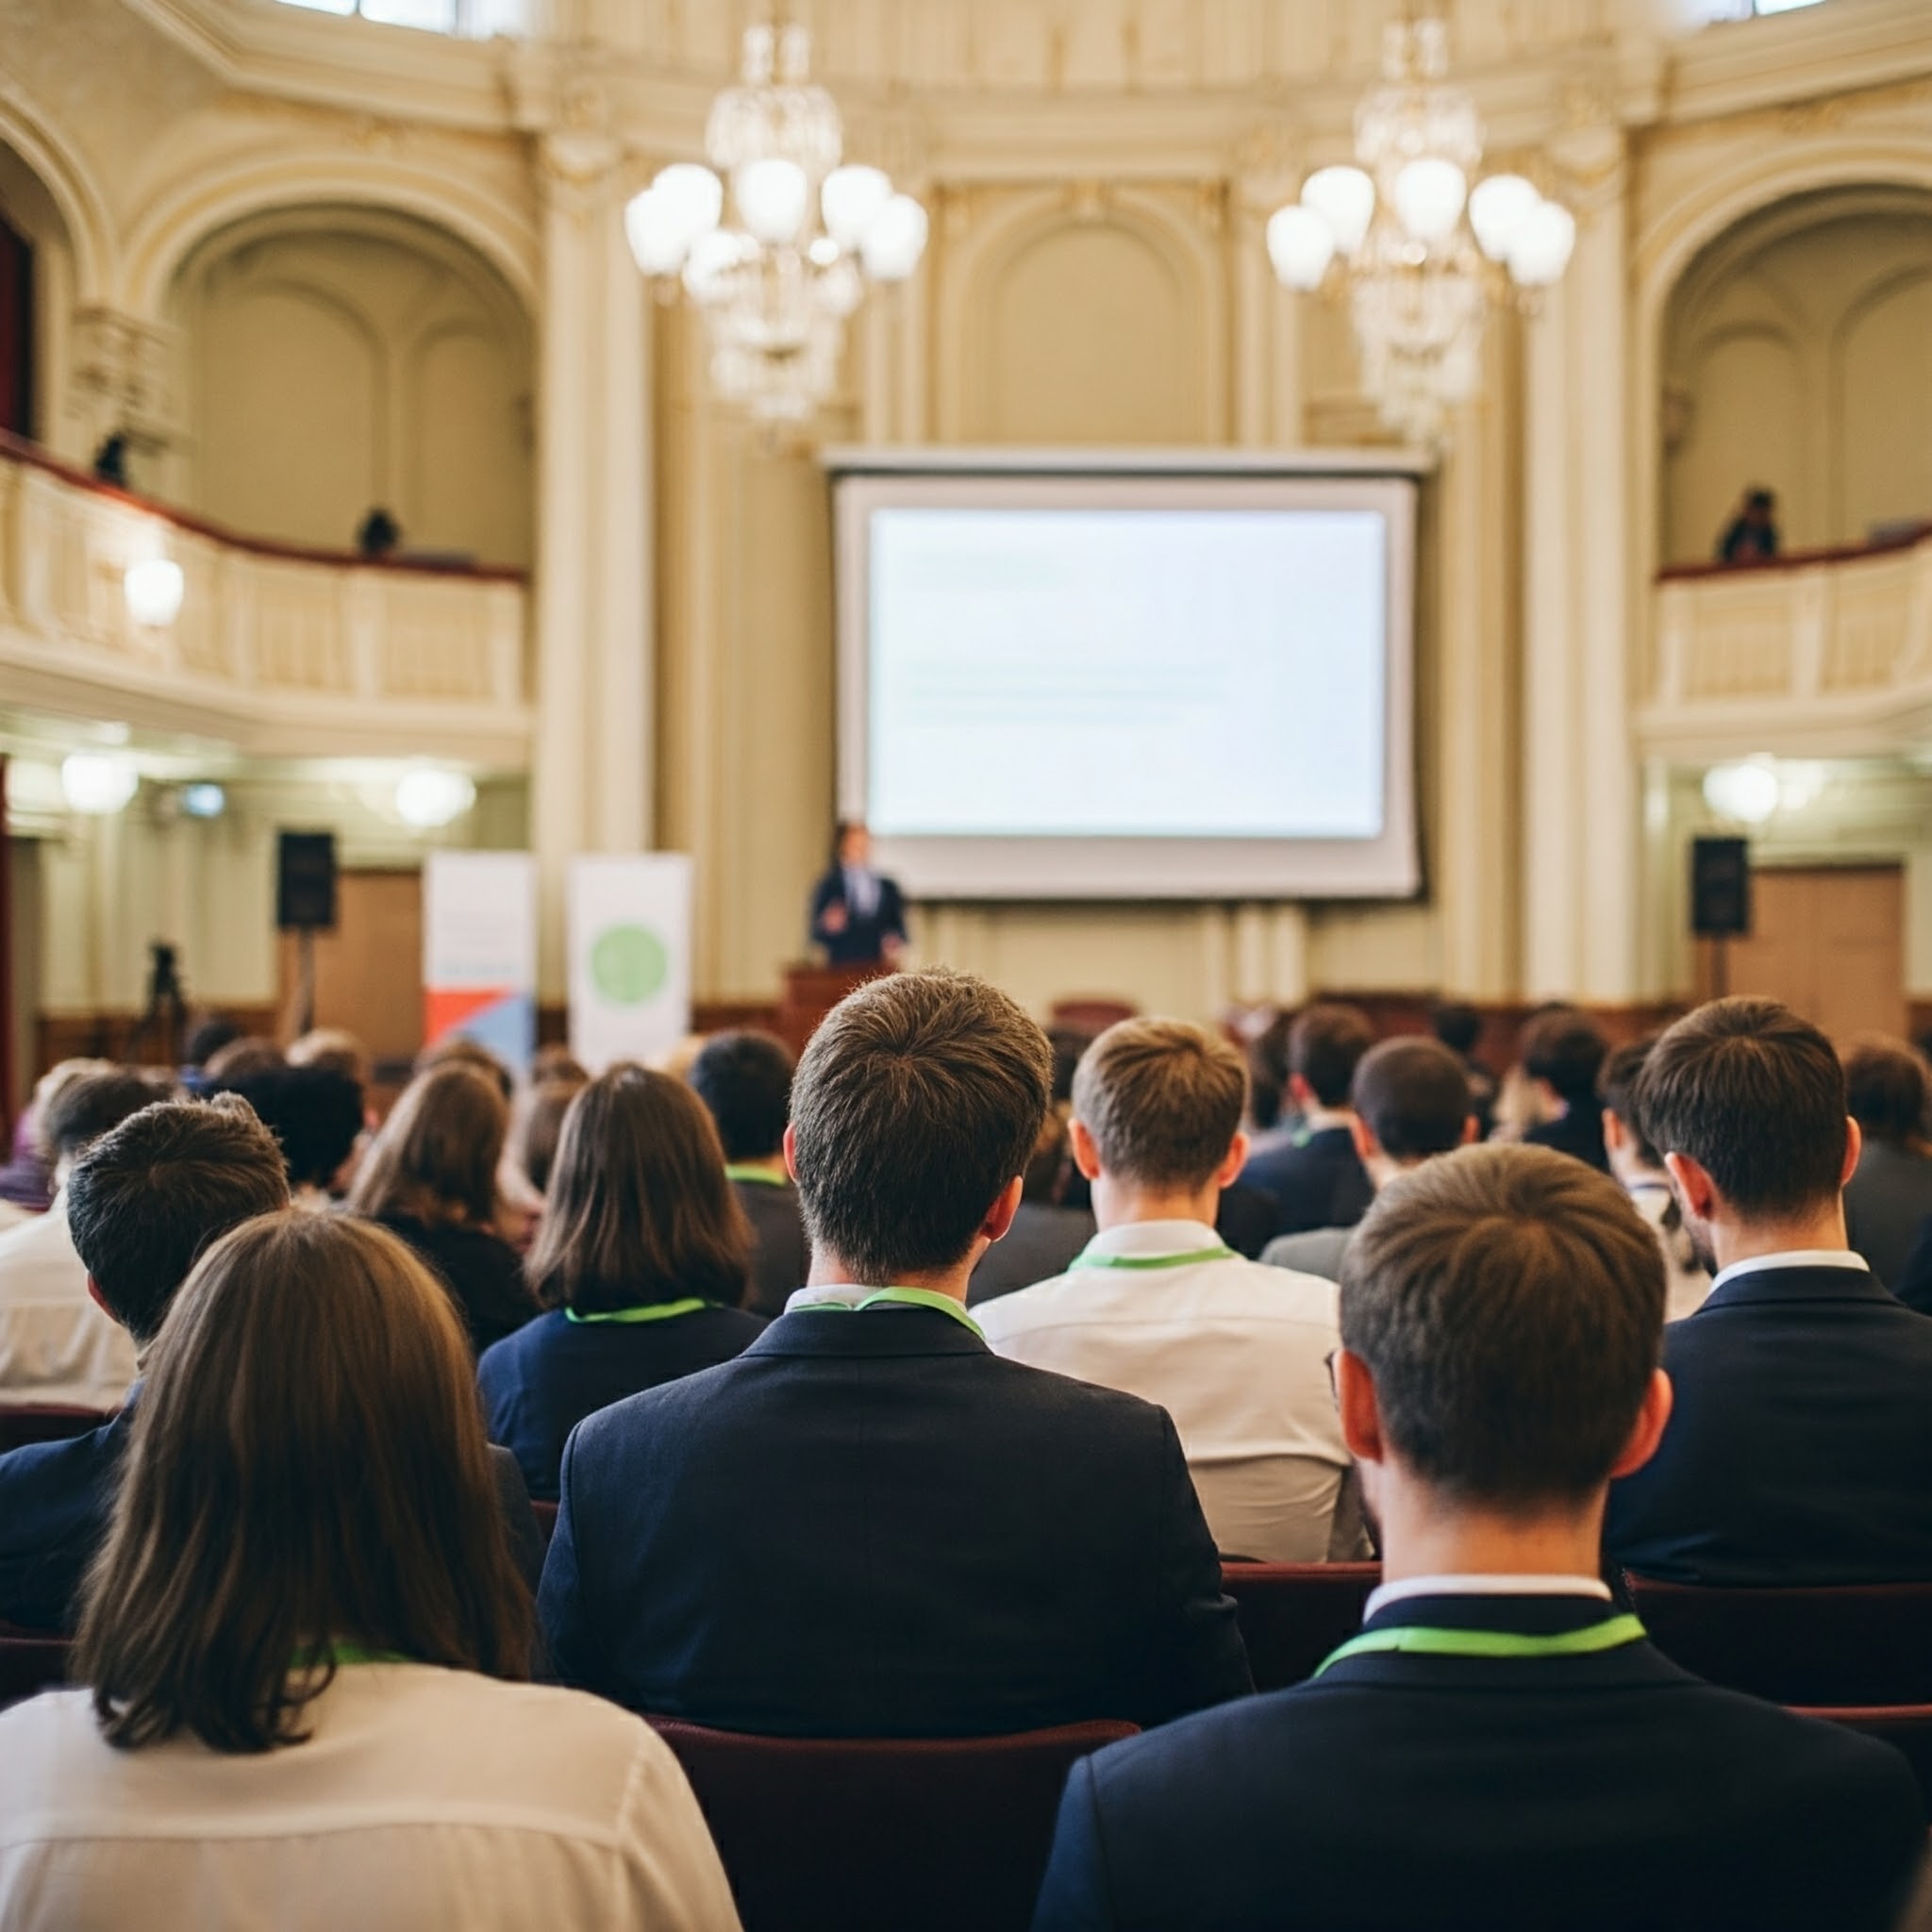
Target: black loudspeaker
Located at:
point(1720, 888)
point(306, 881)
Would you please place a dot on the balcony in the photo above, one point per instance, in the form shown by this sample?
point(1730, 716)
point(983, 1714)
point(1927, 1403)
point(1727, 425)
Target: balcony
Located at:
point(1820, 653)
point(279, 651)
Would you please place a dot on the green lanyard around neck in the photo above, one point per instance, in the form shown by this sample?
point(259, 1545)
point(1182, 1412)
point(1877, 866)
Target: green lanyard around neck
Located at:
point(347, 1654)
point(1218, 1252)
point(1425, 1641)
point(649, 1311)
point(902, 1298)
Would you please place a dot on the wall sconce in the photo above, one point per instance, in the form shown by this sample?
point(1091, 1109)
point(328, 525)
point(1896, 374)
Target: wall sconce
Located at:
point(153, 588)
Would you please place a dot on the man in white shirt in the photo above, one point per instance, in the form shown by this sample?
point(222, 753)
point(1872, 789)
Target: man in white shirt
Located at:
point(56, 1346)
point(1159, 1306)
point(1639, 1168)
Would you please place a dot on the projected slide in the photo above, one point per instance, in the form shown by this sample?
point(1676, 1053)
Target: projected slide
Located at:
point(1119, 674)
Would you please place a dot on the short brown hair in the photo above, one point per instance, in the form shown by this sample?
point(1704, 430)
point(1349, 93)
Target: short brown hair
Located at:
point(1616, 1087)
point(1885, 1089)
point(1162, 1100)
point(1566, 1047)
point(307, 1468)
point(1413, 1095)
point(91, 1105)
point(639, 1209)
point(1325, 1045)
point(536, 1124)
point(1509, 1304)
point(1757, 1097)
point(435, 1159)
point(918, 1100)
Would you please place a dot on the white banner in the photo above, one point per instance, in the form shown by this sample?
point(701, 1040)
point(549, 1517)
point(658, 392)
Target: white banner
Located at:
point(629, 956)
point(480, 951)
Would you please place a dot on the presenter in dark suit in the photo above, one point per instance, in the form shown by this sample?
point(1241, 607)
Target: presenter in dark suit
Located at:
point(868, 1525)
point(857, 914)
point(1499, 1748)
point(1800, 1451)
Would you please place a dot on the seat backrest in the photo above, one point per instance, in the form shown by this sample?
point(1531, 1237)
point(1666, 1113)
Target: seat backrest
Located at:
point(1292, 1615)
point(883, 1833)
point(545, 1514)
point(1907, 1727)
point(30, 1664)
point(1846, 1644)
point(46, 1422)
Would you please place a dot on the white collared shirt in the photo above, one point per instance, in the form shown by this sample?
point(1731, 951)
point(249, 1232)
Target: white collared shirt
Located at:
point(1235, 1352)
point(56, 1345)
point(1475, 1584)
point(1796, 1257)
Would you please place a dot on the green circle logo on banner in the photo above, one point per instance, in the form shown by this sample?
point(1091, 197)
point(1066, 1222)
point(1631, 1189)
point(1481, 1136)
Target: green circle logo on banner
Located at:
point(628, 964)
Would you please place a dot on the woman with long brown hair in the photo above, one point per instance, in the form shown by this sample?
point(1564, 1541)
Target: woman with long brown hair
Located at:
point(643, 1258)
point(430, 1177)
point(304, 1641)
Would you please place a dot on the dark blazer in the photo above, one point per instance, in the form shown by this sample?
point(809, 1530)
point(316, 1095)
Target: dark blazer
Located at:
point(1799, 1449)
point(1401, 1792)
point(1886, 1201)
point(1580, 1132)
point(1317, 1181)
point(540, 1383)
point(483, 1272)
point(1914, 1284)
point(781, 1256)
point(870, 1525)
point(862, 942)
point(1041, 1242)
point(55, 1499)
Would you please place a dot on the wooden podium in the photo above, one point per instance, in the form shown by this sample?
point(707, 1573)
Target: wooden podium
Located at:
point(811, 992)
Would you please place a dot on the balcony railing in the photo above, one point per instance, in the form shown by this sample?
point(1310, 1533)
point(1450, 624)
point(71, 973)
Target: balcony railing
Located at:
point(1826, 653)
point(284, 650)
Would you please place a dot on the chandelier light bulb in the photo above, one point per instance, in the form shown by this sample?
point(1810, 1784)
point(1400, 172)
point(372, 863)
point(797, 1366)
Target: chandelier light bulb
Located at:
point(688, 202)
point(204, 799)
point(851, 200)
point(1540, 249)
point(1747, 790)
point(429, 797)
point(1345, 199)
point(1428, 195)
point(153, 588)
point(99, 783)
point(657, 243)
point(773, 196)
point(1496, 212)
point(895, 240)
point(1301, 245)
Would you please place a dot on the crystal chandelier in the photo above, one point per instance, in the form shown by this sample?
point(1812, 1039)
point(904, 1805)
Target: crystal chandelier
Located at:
point(1422, 255)
point(776, 288)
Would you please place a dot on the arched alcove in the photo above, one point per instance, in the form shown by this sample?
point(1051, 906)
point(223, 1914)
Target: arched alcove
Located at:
point(37, 295)
point(340, 358)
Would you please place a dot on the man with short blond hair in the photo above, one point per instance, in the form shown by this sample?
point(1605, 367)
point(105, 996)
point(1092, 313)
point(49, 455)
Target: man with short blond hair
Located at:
point(1159, 1306)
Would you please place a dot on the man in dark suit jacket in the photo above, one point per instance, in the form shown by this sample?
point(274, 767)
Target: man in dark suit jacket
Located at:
point(1498, 1748)
point(143, 1203)
point(869, 1524)
point(1801, 1448)
point(1314, 1175)
point(1562, 1050)
point(857, 914)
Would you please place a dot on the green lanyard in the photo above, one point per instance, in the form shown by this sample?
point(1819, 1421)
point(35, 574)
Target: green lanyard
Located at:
point(347, 1654)
point(758, 1176)
point(1218, 1252)
point(901, 1298)
point(650, 1311)
point(1612, 1634)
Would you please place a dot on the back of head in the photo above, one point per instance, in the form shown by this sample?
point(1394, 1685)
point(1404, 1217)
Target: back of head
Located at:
point(252, 1053)
point(334, 1047)
point(535, 1125)
point(1617, 1081)
point(1565, 1047)
point(1162, 1100)
point(307, 1469)
point(1457, 1026)
point(89, 1104)
point(639, 1209)
point(1757, 1097)
point(458, 1050)
point(1325, 1045)
point(1509, 1304)
point(745, 1078)
point(206, 1037)
point(146, 1200)
point(917, 1102)
point(314, 1111)
point(1268, 1071)
point(1412, 1094)
point(434, 1157)
point(1885, 1089)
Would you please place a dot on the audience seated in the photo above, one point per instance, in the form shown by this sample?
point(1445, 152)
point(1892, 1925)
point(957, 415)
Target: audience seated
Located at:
point(536, 1126)
point(315, 1113)
point(1460, 1026)
point(146, 1200)
point(1411, 1101)
point(1313, 1173)
point(1800, 1451)
point(1641, 1168)
point(304, 1643)
point(430, 1175)
point(1889, 1195)
point(205, 1039)
point(868, 1525)
point(1562, 1051)
point(459, 1050)
point(1158, 1306)
point(641, 1260)
point(745, 1080)
point(56, 1346)
point(334, 1047)
point(1498, 1748)
point(246, 1054)
point(1046, 1235)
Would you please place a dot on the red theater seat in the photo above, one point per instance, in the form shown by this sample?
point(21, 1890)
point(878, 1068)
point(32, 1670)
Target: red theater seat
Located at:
point(1293, 1614)
point(46, 1422)
point(30, 1662)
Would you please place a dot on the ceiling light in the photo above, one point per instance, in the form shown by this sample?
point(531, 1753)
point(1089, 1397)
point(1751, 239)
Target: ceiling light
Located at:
point(429, 797)
point(1747, 789)
point(99, 783)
